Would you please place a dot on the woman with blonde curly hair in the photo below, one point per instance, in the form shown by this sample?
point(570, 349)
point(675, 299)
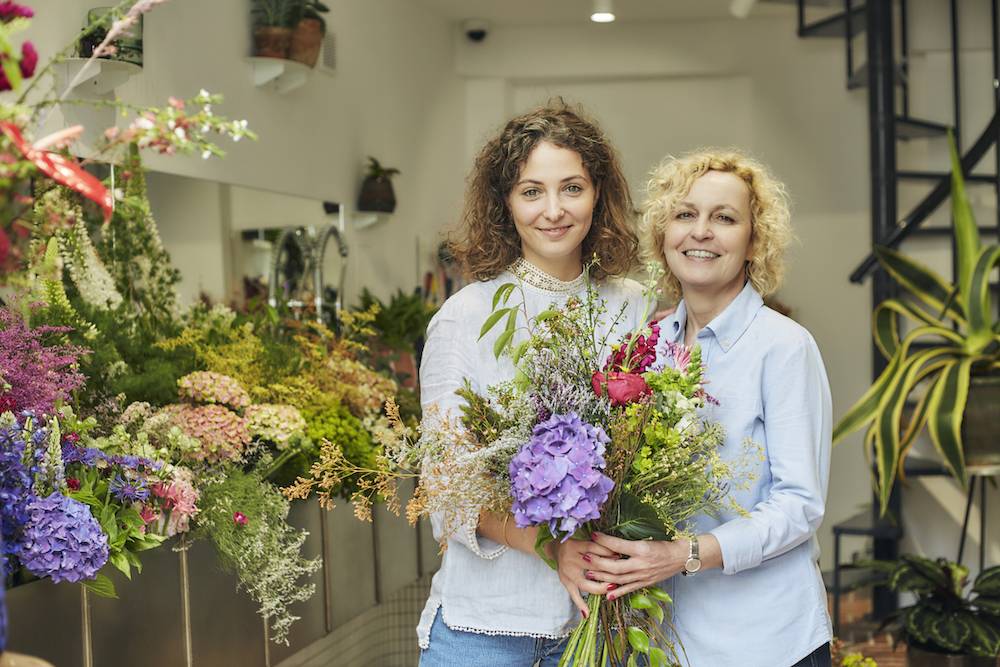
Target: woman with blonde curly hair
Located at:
point(545, 196)
point(718, 222)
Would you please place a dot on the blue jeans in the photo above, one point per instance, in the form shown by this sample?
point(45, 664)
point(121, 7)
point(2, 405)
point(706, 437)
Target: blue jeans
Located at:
point(455, 648)
point(818, 658)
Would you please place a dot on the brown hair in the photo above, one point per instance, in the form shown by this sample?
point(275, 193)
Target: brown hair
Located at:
point(487, 242)
point(771, 229)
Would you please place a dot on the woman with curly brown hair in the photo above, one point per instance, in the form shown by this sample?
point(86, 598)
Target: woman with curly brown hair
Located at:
point(545, 196)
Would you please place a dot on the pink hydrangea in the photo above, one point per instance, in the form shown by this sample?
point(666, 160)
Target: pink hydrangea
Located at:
point(222, 433)
point(208, 387)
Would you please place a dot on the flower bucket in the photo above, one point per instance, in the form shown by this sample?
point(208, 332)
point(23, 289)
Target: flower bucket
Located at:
point(377, 195)
point(917, 657)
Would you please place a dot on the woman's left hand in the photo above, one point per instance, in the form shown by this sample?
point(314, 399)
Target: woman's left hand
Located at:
point(648, 563)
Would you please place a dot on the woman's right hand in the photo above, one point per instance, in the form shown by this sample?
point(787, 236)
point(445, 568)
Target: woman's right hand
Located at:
point(573, 558)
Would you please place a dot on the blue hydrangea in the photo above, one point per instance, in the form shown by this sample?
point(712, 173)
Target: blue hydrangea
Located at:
point(557, 478)
point(16, 474)
point(62, 540)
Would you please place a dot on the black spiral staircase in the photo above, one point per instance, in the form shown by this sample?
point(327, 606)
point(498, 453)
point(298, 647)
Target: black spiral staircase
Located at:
point(885, 74)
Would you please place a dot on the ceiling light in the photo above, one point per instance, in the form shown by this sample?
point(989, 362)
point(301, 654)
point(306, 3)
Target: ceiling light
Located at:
point(604, 11)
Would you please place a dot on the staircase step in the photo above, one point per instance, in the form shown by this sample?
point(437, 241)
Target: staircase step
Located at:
point(938, 175)
point(836, 25)
point(860, 77)
point(863, 523)
point(914, 128)
point(946, 231)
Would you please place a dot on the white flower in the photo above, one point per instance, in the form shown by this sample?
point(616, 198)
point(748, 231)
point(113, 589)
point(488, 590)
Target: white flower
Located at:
point(181, 134)
point(206, 154)
point(119, 194)
point(143, 123)
point(171, 124)
point(204, 93)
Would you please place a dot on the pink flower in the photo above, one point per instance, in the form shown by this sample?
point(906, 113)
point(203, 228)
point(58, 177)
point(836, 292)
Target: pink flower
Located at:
point(148, 514)
point(638, 358)
point(240, 519)
point(73, 484)
point(622, 388)
point(29, 59)
point(11, 10)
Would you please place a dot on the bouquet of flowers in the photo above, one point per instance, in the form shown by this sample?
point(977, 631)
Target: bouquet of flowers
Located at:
point(577, 442)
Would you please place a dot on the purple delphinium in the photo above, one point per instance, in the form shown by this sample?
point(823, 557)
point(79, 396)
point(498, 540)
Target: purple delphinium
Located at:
point(62, 540)
point(129, 490)
point(556, 478)
point(17, 472)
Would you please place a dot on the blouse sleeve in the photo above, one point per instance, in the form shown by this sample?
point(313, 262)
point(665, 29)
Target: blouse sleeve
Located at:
point(448, 360)
point(797, 412)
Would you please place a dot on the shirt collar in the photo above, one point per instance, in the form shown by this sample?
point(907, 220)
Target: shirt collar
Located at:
point(728, 326)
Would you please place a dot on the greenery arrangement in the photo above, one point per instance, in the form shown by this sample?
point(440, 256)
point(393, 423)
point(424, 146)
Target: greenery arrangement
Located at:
point(956, 335)
point(945, 618)
point(126, 419)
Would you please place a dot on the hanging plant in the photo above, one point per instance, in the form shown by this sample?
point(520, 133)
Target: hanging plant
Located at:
point(376, 190)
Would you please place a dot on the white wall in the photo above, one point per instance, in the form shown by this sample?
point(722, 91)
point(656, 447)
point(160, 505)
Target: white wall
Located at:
point(394, 95)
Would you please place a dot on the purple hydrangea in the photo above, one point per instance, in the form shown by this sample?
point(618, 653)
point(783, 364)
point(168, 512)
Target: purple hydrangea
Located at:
point(556, 478)
point(16, 473)
point(62, 540)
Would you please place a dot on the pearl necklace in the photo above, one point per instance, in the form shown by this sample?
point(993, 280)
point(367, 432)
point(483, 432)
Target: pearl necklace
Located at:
point(537, 278)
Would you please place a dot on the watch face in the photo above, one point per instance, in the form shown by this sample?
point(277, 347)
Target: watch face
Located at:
point(692, 565)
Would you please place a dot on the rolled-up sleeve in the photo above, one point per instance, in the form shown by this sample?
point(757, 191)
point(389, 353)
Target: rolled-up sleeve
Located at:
point(448, 360)
point(797, 421)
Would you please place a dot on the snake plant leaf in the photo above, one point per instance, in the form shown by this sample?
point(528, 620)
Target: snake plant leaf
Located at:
point(988, 582)
point(980, 315)
point(890, 410)
point(922, 282)
point(967, 241)
point(945, 411)
point(885, 326)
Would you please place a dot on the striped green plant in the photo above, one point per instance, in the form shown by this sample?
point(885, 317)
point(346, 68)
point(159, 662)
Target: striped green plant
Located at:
point(944, 618)
point(959, 323)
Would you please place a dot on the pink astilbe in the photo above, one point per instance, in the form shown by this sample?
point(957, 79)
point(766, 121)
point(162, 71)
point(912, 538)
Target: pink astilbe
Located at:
point(35, 376)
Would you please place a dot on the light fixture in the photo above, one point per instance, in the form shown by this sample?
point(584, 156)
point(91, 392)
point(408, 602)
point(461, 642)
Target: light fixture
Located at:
point(604, 11)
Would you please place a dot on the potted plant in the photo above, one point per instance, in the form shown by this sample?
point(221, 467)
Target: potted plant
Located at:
point(399, 328)
point(272, 26)
point(376, 190)
point(952, 355)
point(307, 37)
point(945, 626)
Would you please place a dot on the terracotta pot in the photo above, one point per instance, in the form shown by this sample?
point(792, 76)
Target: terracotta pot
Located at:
point(272, 41)
point(917, 657)
point(306, 41)
point(981, 425)
point(377, 195)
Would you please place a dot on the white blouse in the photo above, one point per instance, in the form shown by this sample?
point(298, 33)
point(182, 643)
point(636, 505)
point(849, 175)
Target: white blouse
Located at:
point(483, 586)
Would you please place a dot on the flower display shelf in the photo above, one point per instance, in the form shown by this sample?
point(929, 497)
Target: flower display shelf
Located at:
point(281, 75)
point(96, 77)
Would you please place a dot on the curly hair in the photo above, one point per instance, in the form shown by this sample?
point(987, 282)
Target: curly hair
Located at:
point(771, 229)
point(487, 241)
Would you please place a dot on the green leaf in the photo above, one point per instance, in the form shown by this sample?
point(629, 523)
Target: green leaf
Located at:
point(921, 281)
point(988, 582)
point(636, 520)
point(502, 294)
point(656, 613)
point(885, 326)
point(491, 321)
point(631, 662)
point(546, 315)
point(945, 408)
point(917, 623)
point(967, 242)
point(85, 497)
point(638, 640)
point(502, 341)
point(930, 570)
point(519, 351)
point(101, 585)
point(984, 637)
point(657, 657)
point(640, 601)
point(980, 315)
point(658, 593)
point(13, 71)
point(950, 631)
point(542, 538)
point(120, 562)
point(988, 605)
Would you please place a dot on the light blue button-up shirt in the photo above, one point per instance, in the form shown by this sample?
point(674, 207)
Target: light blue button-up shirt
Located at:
point(767, 606)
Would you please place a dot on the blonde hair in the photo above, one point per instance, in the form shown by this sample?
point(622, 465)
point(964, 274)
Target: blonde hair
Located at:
point(771, 229)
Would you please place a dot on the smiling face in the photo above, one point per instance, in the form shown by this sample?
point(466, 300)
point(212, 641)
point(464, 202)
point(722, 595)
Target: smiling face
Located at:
point(707, 240)
point(552, 204)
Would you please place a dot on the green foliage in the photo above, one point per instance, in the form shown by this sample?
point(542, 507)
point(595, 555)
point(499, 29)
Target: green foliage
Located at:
point(957, 320)
point(376, 170)
point(944, 619)
point(402, 322)
point(331, 421)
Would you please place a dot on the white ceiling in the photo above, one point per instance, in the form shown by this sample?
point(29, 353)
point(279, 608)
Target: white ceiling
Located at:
point(557, 12)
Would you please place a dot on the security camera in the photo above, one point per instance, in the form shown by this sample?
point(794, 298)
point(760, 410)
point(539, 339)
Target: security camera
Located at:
point(476, 29)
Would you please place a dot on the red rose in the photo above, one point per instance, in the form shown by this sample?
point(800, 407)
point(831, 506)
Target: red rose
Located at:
point(73, 484)
point(622, 388)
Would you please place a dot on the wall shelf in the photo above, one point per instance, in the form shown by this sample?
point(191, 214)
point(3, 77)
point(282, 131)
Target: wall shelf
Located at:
point(96, 77)
point(279, 74)
point(364, 219)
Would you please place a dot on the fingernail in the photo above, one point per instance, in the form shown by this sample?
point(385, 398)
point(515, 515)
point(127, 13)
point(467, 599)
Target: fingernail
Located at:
point(589, 575)
point(586, 557)
point(611, 597)
point(612, 587)
point(583, 613)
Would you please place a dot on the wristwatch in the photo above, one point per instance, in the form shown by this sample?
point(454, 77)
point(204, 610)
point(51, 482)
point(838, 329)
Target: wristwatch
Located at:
point(693, 562)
